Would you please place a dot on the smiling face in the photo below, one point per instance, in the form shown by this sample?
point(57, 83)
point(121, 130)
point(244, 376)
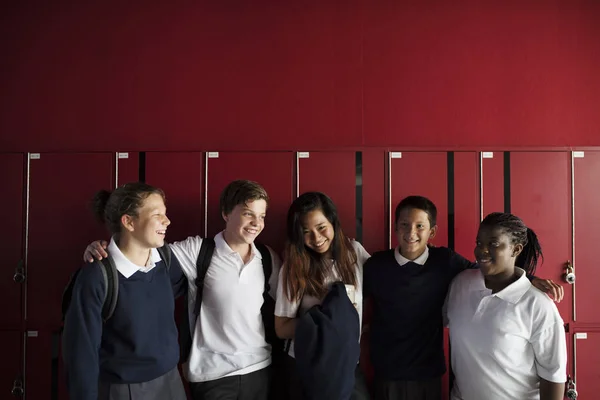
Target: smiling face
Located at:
point(149, 227)
point(245, 222)
point(495, 252)
point(318, 232)
point(413, 231)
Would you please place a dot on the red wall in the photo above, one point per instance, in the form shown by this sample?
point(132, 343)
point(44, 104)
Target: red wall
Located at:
point(269, 75)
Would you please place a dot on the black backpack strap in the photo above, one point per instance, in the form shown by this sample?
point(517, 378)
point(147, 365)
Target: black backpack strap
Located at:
point(111, 277)
point(165, 254)
point(207, 249)
point(267, 264)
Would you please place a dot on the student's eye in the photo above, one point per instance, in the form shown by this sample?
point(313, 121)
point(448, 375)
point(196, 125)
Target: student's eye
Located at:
point(495, 244)
point(322, 228)
point(263, 217)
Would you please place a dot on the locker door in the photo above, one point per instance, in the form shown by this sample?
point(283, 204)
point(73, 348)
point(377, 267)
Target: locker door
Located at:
point(374, 212)
point(180, 175)
point(11, 368)
point(466, 202)
point(11, 246)
point(587, 232)
point(335, 175)
point(127, 167)
point(492, 181)
point(406, 180)
point(540, 194)
point(587, 359)
point(44, 370)
point(61, 224)
point(274, 171)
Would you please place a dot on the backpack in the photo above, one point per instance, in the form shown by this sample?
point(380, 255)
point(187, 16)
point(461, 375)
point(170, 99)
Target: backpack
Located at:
point(111, 283)
point(267, 310)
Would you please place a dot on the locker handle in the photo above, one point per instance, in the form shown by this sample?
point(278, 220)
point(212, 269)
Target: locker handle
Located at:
point(19, 276)
point(17, 389)
point(569, 275)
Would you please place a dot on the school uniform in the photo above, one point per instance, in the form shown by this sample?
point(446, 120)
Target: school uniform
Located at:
point(134, 354)
point(292, 309)
point(503, 343)
point(229, 357)
point(406, 331)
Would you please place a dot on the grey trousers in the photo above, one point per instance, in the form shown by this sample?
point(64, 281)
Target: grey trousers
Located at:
point(166, 387)
point(430, 389)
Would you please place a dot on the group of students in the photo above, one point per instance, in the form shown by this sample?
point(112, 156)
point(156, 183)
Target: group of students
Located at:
point(507, 337)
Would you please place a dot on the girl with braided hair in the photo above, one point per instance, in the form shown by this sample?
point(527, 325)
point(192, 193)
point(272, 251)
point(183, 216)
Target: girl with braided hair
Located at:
point(507, 337)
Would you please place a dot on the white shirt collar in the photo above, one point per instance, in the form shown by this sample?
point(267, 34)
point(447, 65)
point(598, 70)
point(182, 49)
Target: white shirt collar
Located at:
point(421, 260)
point(126, 267)
point(513, 292)
point(222, 247)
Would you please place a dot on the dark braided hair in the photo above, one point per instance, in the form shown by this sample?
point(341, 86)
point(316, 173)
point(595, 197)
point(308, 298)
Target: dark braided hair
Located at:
point(519, 234)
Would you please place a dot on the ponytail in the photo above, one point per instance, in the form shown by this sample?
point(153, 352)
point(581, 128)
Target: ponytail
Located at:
point(99, 202)
point(532, 252)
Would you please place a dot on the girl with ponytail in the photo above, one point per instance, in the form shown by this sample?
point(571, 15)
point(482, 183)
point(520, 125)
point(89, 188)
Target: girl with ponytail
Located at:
point(507, 337)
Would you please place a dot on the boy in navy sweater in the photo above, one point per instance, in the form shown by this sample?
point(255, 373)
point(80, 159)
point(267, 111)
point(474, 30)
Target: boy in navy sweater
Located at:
point(134, 353)
point(407, 287)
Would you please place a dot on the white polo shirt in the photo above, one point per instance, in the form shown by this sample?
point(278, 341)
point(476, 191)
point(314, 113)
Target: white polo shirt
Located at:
point(503, 343)
point(289, 309)
point(230, 335)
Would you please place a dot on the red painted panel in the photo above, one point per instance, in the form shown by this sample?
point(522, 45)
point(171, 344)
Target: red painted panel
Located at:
point(11, 367)
point(541, 196)
point(493, 183)
point(587, 372)
point(11, 246)
point(587, 232)
point(375, 237)
point(61, 225)
point(181, 176)
point(129, 167)
point(423, 174)
point(466, 202)
point(335, 175)
point(43, 366)
point(274, 171)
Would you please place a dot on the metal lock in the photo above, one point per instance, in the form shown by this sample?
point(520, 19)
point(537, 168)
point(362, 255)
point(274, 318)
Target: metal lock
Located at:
point(17, 389)
point(569, 275)
point(571, 392)
point(19, 276)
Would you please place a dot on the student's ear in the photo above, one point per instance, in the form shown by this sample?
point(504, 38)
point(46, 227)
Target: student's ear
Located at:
point(433, 232)
point(225, 216)
point(127, 222)
point(517, 250)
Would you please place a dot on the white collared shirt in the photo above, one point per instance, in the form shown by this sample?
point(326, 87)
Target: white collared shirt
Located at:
point(230, 335)
point(421, 260)
point(503, 343)
point(126, 267)
point(289, 309)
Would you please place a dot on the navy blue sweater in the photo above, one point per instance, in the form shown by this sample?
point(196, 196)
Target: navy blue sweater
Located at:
point(407, 327)
point(137, 344)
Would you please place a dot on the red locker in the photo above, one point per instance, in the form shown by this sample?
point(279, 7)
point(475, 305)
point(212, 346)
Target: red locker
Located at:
point(587, 232)
point(44, 371)
point(375, 235)
point(407, 178)
point(466, 202)
point(61, 225)
point(127, 167)
point(492, 178)
point(274, 171)
point(11, 246)
point(541, 195)
point(181, 176)
point(11, 368)
point(335, 175)
point(587, 359)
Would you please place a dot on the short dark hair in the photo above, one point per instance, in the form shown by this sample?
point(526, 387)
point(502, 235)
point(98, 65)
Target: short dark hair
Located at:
point(241, 192)
point(419, 203)
point(124, 200)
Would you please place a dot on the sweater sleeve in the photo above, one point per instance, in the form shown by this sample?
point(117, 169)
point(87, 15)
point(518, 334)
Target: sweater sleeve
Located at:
point(82, 334)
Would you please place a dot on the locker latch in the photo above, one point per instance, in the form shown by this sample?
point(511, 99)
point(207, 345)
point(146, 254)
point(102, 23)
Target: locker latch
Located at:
point(17, 389)
point(19, 276)
point(570, 391)
point(569, 275)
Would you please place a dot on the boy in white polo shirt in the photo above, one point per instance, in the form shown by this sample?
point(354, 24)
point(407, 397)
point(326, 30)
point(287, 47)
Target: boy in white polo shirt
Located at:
point(229, 357)
point(507, 337)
